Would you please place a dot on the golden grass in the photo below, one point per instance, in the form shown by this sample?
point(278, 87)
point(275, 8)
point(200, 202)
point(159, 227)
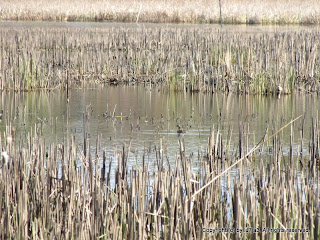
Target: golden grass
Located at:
point(183, 11)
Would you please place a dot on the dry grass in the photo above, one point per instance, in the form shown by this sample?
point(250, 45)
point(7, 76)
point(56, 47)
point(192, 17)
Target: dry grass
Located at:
point(195, 59)
point(67, 191)
point(184, 11)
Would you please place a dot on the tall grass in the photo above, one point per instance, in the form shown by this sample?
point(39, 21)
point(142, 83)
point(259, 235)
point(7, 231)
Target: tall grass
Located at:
point(69, 191)
point(193, 59)
point(184, 11)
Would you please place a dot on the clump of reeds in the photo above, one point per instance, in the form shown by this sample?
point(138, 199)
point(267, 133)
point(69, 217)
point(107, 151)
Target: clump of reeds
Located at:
point(203, 11)
point(195, 59)
point(67, 191)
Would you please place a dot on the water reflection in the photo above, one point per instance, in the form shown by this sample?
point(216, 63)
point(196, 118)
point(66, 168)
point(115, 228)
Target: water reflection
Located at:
point(145, 117)
point(105, 25)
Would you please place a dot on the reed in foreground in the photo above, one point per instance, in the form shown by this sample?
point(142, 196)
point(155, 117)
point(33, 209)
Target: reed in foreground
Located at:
point(204, 11)
point(66, 191)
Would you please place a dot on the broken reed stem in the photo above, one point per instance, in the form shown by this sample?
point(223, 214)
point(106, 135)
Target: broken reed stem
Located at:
point(220, 15)
point(240, 160)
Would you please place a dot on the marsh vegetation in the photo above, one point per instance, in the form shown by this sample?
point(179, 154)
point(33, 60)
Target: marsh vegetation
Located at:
point(127, 132)
point(66, 190)
point(183, 58)
point(62, 175)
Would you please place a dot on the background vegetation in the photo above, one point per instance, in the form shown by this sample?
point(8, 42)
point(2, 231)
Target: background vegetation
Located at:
point(182, 11)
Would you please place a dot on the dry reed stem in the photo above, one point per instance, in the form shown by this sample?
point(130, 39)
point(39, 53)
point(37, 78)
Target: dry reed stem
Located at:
point(46, 192)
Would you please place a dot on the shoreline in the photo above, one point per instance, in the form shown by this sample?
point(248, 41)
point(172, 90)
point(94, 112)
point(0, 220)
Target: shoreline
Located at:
point(146, 11)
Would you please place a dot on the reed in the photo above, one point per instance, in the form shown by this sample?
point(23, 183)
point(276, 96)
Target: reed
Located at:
point(182, 11)
point(66, 190)
point(192, 59)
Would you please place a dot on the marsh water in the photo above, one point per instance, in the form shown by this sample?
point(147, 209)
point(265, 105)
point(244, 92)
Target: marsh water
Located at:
point(145, 117)
point(173, 154)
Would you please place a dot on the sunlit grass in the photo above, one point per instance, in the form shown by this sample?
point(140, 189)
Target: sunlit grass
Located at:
point(184, 11)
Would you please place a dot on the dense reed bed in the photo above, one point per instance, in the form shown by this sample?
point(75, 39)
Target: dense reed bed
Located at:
point(196, 59)
point(75, 190)
point(203, 11)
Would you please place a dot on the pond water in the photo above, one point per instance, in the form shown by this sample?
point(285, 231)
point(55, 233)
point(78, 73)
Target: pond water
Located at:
point(106, 25)
point(144, 116)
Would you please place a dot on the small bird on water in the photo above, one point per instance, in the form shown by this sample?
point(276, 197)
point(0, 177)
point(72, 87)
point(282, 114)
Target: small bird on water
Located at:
point(279, 90)
point(180, 130)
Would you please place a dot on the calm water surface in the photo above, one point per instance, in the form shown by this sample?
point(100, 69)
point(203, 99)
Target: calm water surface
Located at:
point(146, 116)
